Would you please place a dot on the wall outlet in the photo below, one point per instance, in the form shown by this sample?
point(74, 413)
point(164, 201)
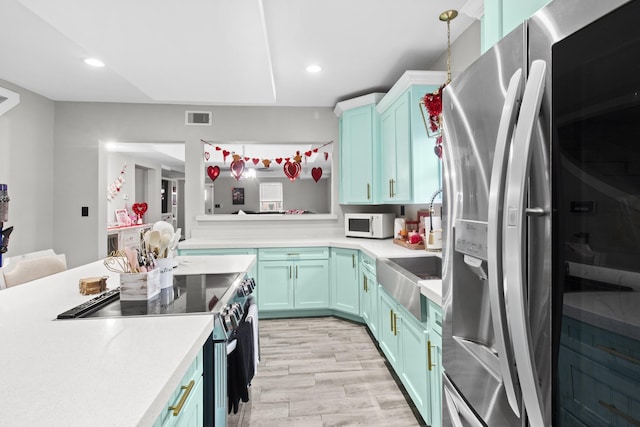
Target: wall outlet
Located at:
point(85, 211)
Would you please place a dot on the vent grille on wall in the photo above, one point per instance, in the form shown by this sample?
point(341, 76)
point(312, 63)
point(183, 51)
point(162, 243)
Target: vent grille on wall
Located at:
point(197, 118)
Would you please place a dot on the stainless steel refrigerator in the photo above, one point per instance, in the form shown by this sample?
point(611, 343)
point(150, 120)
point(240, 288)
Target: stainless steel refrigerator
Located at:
point(541, 223)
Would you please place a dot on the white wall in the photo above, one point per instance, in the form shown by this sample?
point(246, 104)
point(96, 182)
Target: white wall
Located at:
point(464, 51)
point(26, 152)
point(80, 128)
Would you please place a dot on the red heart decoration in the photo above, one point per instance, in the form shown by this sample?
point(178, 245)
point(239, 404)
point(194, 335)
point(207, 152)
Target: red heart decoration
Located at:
point(255, 161)
point(218, 148)
point(316, 173)
point(246, 159)
point(237, 168)
point(292, 170)
point(225, 153)
point(315, 150)
point(139, 208)
point(279, 160)
point(213, 172)
point(307, 153)
point(206, 155)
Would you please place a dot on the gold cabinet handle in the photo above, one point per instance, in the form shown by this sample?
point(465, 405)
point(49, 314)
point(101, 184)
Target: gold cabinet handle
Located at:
point(368, 191)
point(366, 288)
point(390, 191)
point(612, 408)
point(353, 261)
point(176, 409)
point(289, 272)
point(296, 271)
point(617, 354)
point(391, 319)
point(395, 324)
point(293, 254)
point(431, 365)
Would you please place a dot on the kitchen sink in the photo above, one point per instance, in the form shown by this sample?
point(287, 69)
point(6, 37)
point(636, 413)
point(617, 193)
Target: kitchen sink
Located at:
point(400, 277)
point(424, 268)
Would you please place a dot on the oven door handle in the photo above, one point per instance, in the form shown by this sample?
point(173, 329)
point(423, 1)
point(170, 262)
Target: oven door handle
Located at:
point(494, 239)
point(514, 249)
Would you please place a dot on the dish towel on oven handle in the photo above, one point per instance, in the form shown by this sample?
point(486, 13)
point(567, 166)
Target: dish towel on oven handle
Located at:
point(252, 317)
point(240, 367)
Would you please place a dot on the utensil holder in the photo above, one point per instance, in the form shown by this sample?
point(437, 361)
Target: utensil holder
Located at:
point(165, 267)
point(139, 286)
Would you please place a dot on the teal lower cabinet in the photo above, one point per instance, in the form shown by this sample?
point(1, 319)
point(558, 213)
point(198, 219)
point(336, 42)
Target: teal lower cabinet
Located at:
point(275, 288)
point(230, 251)
point(599, 376)
point(345, 289)
point(369, 294)
point(185, 407)
point(413, 348)
point(388, 321)
point(293, 279)
point(311, 285)
point(413, 352)
point(434, 361)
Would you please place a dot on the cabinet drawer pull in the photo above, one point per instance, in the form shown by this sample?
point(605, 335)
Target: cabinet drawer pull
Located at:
point(296, 271)
point(353, 261)
point(393, 194)
point(289, 272)
point(391, 319)
point(395, 324)
point(368, 191)
point(293, 254)
point(611, 408)
point(176, 409)
point(431, 365)
point(390, 190)
point(366, 288)
point(616, 353)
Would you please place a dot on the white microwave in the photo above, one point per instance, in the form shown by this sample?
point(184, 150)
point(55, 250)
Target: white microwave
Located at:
point(373, 226)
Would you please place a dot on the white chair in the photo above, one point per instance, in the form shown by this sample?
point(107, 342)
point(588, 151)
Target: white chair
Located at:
point(32, 266)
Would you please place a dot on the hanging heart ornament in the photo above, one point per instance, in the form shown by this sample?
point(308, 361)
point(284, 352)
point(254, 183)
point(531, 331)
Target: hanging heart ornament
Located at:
point(139, 208)
point(316, 174)
point(292, 170)
point(206, 155)
point(213, 172)
point(237, 168)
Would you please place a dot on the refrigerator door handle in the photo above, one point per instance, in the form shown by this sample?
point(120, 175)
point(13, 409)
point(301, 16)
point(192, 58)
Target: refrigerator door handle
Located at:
point(514, 251)
point(457, 408)
point(494, 239)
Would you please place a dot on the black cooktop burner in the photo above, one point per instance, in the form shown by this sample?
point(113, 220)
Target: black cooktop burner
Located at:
point(189, 294)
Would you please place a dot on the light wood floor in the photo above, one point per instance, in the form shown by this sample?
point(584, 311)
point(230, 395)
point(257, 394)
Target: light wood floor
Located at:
point(322, 372)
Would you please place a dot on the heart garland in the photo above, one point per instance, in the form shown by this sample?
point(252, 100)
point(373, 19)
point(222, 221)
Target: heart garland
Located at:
point(316, 174)
point(237, 168)
point(292, 170)
point(213, 172)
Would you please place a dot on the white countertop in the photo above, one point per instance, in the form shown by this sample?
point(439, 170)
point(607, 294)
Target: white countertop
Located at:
point(382, 248)
point(97, 372)
point(615, 311)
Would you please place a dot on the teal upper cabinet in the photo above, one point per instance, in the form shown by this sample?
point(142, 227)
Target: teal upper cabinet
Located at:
point(410, 170)
point(359, 162)
point(501, 17)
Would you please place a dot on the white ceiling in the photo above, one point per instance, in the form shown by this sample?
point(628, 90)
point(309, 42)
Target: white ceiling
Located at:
point(221, 52)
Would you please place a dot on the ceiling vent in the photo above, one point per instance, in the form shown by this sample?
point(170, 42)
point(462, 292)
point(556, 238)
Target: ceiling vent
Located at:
point(197, 118)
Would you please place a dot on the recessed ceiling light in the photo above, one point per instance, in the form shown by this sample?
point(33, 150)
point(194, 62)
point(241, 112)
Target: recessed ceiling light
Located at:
point(314, 68)
point(94, 62)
